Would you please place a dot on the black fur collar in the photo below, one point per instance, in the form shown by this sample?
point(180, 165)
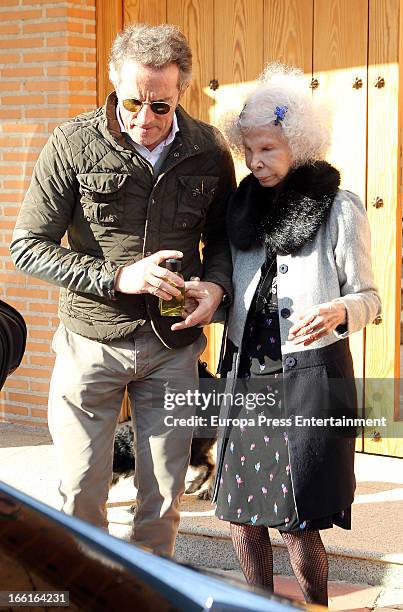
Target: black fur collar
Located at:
point(284, 217)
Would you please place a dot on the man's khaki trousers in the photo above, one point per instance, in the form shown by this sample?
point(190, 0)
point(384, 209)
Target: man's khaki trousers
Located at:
point(86, 393)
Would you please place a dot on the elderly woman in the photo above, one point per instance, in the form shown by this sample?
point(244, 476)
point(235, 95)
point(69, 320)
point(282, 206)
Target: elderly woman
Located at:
point(303, 283)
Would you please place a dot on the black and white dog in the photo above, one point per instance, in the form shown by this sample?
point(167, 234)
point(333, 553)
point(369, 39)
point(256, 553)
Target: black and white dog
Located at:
point(201, 471)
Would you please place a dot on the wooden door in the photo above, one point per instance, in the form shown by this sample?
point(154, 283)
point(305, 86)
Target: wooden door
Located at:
point(195, 17)
point(287, 33)
point(345, 45)
point(340, 81)
point(382, 351)
point(144, 11)
point(238, 58)
point(109, 22)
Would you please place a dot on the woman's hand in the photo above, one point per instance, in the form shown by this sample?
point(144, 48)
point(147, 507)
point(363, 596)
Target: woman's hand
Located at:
point(206, 295)
point(318, 321)
point(189, 306)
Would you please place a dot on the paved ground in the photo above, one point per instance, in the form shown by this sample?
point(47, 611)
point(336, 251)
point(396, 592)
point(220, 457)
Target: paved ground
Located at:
point(27, 462)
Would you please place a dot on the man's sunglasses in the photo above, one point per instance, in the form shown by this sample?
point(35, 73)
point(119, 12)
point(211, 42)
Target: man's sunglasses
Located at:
point(134, 106)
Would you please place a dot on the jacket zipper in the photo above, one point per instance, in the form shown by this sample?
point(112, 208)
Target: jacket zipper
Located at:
point(146, 227)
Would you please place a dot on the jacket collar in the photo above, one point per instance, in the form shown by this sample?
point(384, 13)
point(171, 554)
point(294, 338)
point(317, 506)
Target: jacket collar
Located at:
point(285, 217)
point(112, 123)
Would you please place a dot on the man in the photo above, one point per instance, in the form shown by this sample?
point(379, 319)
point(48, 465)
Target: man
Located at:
point(133, 183)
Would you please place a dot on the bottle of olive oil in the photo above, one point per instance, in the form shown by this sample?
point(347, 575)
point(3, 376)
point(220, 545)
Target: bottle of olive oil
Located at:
point(174, 306)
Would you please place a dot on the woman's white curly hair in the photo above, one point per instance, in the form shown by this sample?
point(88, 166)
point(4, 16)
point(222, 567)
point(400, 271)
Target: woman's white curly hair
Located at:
point(305, 125)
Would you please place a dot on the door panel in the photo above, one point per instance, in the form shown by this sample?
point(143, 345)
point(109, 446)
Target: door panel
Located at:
point(196, 20)
point(238, 36)
point(287, 33)
point(109, 23)
point(145, 11)
point(383, 341)
point(340, 60)
point(238, 40)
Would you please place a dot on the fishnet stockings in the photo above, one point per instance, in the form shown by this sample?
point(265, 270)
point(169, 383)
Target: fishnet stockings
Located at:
point(309, 561)
point(307, 555)
point(253, 549)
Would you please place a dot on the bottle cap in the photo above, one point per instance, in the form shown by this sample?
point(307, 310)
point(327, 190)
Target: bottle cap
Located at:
point(174, 265)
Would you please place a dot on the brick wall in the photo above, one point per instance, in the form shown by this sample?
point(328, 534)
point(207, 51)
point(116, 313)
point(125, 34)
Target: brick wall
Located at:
point(47, 74)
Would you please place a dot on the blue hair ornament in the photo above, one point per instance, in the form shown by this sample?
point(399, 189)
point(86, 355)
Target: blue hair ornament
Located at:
point(280, 114)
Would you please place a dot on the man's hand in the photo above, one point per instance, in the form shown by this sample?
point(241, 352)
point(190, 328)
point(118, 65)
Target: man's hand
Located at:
point(208, 297)
point(317, 322)
point(147, 276)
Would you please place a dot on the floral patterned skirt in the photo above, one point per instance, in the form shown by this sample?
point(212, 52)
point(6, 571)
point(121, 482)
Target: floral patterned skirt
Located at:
point(256, 481)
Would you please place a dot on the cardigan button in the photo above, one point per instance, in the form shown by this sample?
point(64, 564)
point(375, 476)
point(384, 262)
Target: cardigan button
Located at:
point(285, 313)
point(176, 154)
point(283, 268)
point(290, 362)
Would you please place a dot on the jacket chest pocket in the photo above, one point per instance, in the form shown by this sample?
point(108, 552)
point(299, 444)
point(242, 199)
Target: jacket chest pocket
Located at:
point(102, 197)
point(195, 193)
